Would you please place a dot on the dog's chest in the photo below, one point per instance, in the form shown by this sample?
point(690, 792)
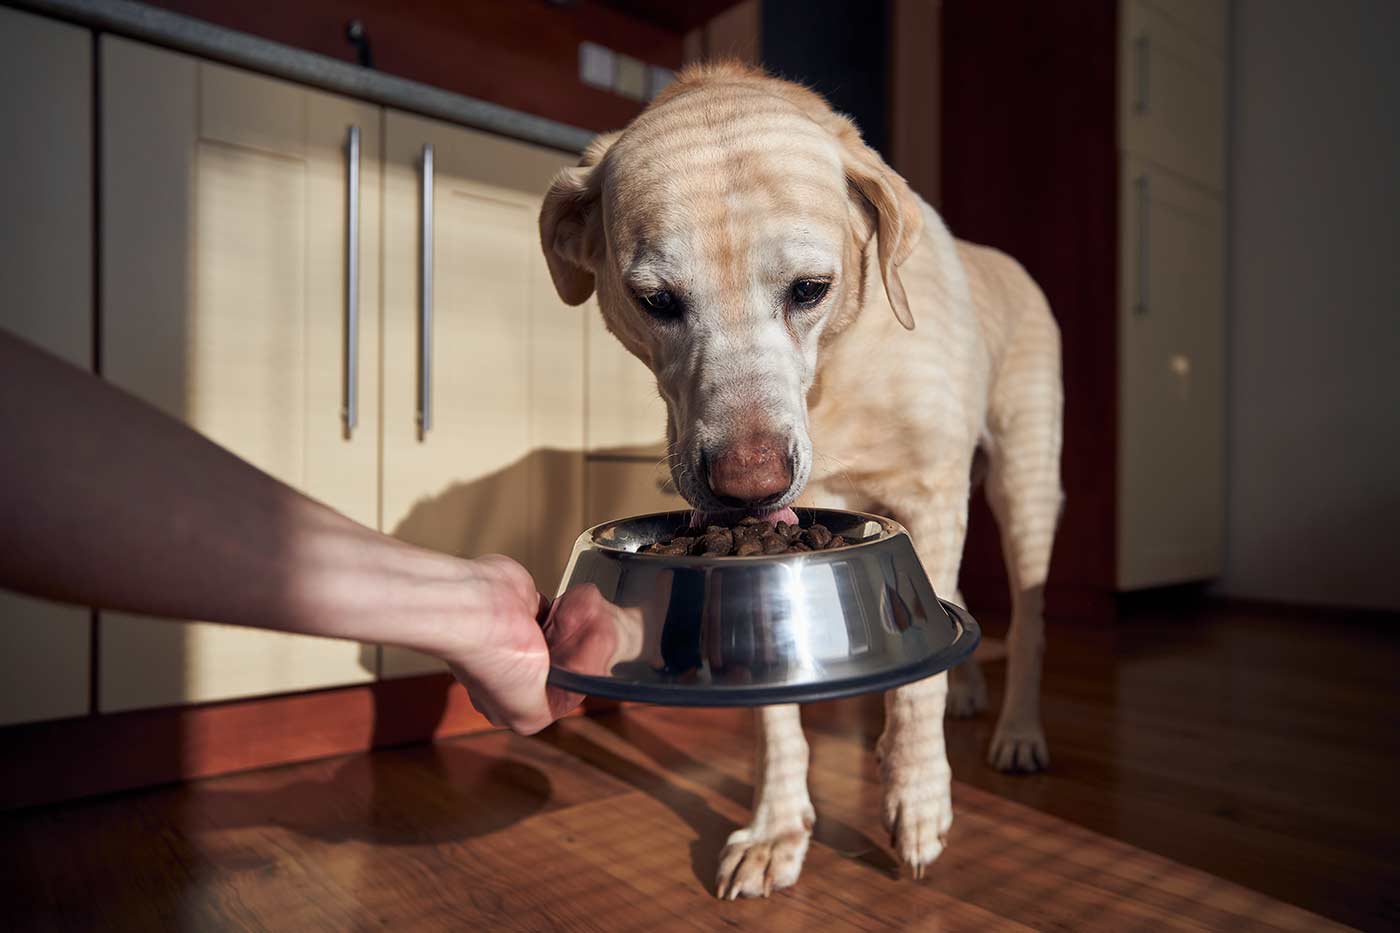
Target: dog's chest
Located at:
point(893, 409)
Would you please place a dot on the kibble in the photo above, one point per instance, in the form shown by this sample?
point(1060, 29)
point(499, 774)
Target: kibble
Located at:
point(749, 537)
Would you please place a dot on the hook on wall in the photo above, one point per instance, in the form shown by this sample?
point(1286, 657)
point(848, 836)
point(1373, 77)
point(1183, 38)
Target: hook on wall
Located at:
point(359, 37)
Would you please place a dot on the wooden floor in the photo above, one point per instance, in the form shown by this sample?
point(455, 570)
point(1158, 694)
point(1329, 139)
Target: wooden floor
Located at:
point(1260, 751)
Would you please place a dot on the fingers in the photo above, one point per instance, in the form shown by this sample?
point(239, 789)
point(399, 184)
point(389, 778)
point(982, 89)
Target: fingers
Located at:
point(582, 632)
point(576, 632)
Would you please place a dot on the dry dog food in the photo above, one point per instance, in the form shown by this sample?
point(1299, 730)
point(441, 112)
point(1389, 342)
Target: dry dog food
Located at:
point(749, 538)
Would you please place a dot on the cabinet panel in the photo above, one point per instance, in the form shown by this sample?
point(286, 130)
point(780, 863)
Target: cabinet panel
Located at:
point(618, 488)
point(497, 468)
point(626, 414)
point(1172, 414)
point(1171, 96)
point(1204, 19)
point(225, 243)
point(45, 298)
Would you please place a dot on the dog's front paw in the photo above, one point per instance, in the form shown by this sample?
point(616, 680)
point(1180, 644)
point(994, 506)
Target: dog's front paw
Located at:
point(760, 859)
point(918, 804)
point(1019, 745)
point(967, 690)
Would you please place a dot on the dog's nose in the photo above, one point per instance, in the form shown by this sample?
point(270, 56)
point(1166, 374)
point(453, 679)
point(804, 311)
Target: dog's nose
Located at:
point(752, 471)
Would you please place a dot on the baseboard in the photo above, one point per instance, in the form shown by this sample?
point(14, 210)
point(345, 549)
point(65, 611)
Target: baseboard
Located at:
point(1063, 602)
point(71, 758)
point(1276, 608)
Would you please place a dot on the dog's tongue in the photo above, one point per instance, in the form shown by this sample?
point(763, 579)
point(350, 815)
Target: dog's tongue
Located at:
point(701, 519)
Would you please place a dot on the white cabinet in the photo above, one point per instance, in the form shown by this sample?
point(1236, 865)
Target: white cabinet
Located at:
point(618, 488)
point(224, 294)
point(483, 388)
point(1172, 384)
point(45, 298)
point(1171, 107)
point(626, 414)
point(1171, 315)
point(626, 431)
point(227, 244)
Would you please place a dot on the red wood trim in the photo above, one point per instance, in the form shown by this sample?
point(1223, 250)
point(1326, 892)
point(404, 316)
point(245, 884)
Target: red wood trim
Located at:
point(914, 96)
point(1030, 166)
point(65, 759)
point(1244, 607)
point(989, 596)
point(679, 17)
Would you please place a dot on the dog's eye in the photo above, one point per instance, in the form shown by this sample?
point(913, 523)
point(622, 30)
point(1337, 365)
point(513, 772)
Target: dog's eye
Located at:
point(807, 292)
point(662, 304)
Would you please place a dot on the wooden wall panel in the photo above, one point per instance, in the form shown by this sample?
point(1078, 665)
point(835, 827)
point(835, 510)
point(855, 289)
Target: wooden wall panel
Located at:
point(915, 95)
point(1030, 166)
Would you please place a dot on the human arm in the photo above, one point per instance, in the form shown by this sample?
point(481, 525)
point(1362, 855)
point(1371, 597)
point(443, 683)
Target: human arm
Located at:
point(105, 501)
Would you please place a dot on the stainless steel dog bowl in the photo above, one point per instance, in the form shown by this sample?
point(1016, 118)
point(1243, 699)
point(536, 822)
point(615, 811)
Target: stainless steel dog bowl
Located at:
point(754, 631)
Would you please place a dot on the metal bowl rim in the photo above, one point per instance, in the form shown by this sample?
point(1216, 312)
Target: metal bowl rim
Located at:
point(588, 540)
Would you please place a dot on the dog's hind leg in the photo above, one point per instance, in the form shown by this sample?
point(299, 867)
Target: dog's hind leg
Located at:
point(1023, 489)
point(767, 854)
point(967, 685)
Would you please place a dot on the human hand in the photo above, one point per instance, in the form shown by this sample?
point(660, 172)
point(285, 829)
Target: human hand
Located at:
point(504, 656)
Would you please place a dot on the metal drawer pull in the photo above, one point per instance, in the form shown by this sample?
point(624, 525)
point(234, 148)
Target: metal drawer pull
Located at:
point(351, 411)
point(1140, 303)
point(1140, 66)
point(425, 303)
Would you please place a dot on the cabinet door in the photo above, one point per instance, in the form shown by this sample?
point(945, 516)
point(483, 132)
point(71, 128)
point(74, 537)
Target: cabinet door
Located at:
point(483, 391)
point(1204, 19)
point(619, 488)
point(225, 241)
point(626, 415)
point(45, 298)
point(1172, 395)
point(1172, 92)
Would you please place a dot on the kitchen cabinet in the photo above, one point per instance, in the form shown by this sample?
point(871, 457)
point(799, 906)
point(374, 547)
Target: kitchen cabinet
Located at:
point(225, 200)
point(1171, 460)
point(483, 381)
point(352, 299)
point(46, 229)
point(626, 414)
point(226, 244)
point(1171, 321)
point(618, 488)
point(1171, 100)
point(626, 431)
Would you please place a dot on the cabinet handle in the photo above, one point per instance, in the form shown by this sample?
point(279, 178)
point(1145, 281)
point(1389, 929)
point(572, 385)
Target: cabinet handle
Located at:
point(1140, 302)
point(425, 303)
point(351, 411)
point(1140, 66)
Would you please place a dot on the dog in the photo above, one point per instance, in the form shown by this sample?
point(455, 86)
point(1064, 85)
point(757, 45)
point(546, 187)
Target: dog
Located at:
point(770, 268)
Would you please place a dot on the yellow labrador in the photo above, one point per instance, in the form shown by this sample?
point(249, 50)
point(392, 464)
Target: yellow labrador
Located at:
point(770, 269)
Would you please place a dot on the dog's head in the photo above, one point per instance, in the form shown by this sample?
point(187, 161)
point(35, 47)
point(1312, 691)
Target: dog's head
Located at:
point(728, 232)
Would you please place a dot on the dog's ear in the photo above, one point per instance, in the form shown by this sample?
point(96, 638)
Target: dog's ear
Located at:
point(571, 226)
point(898, 220)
